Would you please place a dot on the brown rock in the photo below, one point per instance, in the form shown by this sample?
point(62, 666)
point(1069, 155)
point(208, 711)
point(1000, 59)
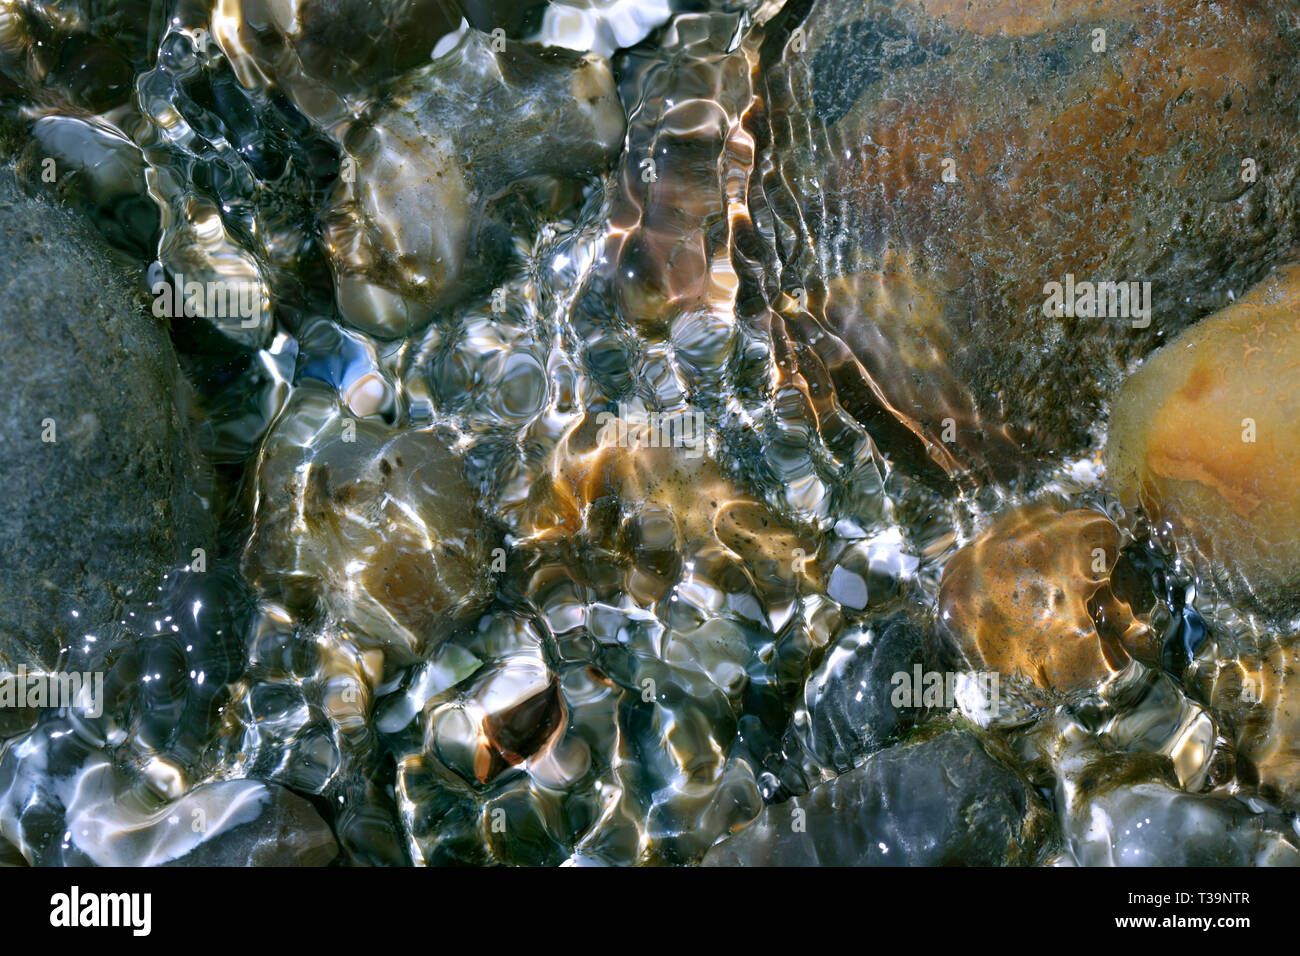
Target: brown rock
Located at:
point(665, 502)
point(374, 525)
point(1259, 695)
point(1120, 164)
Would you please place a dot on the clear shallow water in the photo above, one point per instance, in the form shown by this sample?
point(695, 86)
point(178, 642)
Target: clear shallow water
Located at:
point(463, 620)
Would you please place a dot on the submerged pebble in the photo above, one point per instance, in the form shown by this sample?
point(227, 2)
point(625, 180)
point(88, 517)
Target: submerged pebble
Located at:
point(941, 164)
point(407, 227)
point(851, 700)
point(63, 803)
point(1034, 598)
point(1129, 810)
point(946, 801)
point(1203, 439)
point(374, 526)
point(1259, 696)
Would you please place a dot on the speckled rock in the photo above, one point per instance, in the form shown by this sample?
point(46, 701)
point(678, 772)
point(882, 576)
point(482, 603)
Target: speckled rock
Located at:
point(1034, 597)
point(97, 514)
point(949, 160)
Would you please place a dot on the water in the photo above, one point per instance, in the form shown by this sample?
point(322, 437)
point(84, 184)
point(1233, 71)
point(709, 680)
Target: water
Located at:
point(466, 621)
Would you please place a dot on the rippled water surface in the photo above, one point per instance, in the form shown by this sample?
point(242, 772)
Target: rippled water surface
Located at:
point(614, 432)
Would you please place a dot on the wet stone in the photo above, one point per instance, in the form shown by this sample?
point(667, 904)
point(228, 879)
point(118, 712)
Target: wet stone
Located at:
point(1127, 810)
point(280, 828)
point(325, 52)
point(510, 713)
point(1034, 597)
point(104, 169)
point(1259, 695)
point(375, 526)
point(1203, 439)
point(101, 475)
point(946, 162)
point(555, 114)
point(53, 782)
point(943, 802)
point(849, 699)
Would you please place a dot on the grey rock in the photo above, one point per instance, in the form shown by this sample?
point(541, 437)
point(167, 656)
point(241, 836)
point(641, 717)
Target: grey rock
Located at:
point(64, 803)
point(96, 516)
point(1127, 810)
point(943, 802)
point(848, 697)
point(1154, 824)
point(554, 114)
point(286, 830)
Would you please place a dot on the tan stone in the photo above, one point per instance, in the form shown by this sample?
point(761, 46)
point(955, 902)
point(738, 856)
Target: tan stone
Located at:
point(1204, 437)
point(1026, 599)
point(594, 486)
point(376, 526)
point(1258, 695)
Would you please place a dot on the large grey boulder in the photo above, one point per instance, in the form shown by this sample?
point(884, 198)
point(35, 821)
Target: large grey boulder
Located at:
point(98, 474)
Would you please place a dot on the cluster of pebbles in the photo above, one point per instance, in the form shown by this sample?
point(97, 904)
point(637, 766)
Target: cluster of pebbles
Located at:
point(647, 436)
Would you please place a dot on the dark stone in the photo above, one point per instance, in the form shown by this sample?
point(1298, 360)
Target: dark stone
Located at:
point(944, 802)
point(97, 516)
point(848, 697)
